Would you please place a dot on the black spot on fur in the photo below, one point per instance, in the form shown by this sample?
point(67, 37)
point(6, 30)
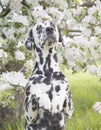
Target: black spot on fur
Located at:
point(41, 60)
point(34, 126)
point(36, 70)
point(34, 103)
point(57, 88)
point(47, 68)
point(56, 121)
point(30, 40)
point(36, 66)
point(60, 35)
point(47, 81)
point(50, 93)
point(40, 55)
point(58, 76)
point(67, 88)
point(38, 50)
point(52, 24)
point(57, 107)
point(26, 104)
point(29, 128)
point(39, 72)
point(39, 29)
point(28, 90)
point(50, 50)
point(37, 79)
point(64, 105)
point(33, 100)
point(55, 57)
point(69, 104)
point(48, 73)
point(27, 118)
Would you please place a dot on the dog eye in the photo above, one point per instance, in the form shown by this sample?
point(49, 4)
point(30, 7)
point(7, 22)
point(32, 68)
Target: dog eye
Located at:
point(39, 29)
point(52, 24)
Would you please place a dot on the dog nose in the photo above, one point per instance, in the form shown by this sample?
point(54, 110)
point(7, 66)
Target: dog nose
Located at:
point(49, 29)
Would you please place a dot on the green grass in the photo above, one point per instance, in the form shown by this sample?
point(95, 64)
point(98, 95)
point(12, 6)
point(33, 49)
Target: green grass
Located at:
point(14, 124)
point(86, 90)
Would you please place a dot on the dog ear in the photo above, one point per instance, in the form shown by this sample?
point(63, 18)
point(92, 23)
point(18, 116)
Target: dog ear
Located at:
point(30, 40)
point(60, 37)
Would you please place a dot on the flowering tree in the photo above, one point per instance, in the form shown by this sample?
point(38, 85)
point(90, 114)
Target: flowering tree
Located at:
point(79, 21)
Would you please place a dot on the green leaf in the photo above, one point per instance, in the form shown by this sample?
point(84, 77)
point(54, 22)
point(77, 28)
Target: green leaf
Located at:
point(24, 11)
point(18, 25)
point(99, 39)
point(77, 1)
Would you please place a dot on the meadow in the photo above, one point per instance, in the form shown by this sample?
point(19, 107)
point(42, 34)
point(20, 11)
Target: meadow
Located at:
point(86, 90)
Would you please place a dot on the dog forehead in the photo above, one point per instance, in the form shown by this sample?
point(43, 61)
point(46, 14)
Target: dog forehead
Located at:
point(45, 24)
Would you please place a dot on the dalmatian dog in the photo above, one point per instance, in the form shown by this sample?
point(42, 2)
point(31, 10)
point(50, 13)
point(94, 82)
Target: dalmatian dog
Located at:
point(48, 101)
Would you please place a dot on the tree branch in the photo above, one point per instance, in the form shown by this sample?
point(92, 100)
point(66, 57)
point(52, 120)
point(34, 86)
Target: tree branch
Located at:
point(5, 10)
point(25, 4)
point(71, 36)
point(88, 4)
point(78, 31)
point(1, 5)
point(22, 69)
point(44, 4)
point(3, 67)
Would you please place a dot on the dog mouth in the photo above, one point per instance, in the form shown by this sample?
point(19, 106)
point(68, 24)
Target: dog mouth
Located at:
point(51, 39)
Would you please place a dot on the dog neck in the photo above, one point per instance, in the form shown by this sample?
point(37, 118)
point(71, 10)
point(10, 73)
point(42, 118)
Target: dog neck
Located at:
point(46, 61)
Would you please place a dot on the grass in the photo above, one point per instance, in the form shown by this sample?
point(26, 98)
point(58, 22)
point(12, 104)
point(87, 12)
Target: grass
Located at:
point(86, 90)
point(14, 125)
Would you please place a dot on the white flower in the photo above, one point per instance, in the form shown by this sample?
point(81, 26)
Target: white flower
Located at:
point(19, 44)
point(98, 72)
point(35, 3)
point(29, 64)
point(97, 107)
point(98, 4)
point(4, 86)
point(99, 12)
point(0, 9)
point(92, 10)
point(71, 55)
point(94, 41)
point(98, 30)
point(19, 55)
point(3, 54)
point(67, 41)
point(0, 44)
point(58, 15)
point(5, 2)
point(77, 11)
point(39, 13)
point(92, 69)
point(15, 5)
point(72, 23)
point(20, 19)
point(89, 19)
point(9, 32)
point(14, 78)
point(86, 32)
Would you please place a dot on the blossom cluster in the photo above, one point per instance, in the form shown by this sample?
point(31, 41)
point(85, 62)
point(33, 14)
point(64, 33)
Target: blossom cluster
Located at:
point(11, 79)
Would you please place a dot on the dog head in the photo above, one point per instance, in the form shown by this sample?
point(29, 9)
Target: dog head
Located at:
point(43, 33)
